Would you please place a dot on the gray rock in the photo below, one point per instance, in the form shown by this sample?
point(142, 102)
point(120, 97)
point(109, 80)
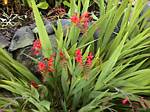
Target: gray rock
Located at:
point(23, 37)
point(65, 24)
point(23, 55)
point(32, 26)
point(96, 34)
point(3, 42)
point(53, 41)
point(48, 27)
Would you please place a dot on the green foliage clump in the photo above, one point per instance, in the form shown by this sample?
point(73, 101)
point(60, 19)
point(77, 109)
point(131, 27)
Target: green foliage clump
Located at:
point(120, 67)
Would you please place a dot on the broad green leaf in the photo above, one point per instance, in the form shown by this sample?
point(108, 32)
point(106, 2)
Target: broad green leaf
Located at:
point(110, 64)
point(88, 36)
point(85, 5)
point(46, 45)
point(45, 104)
point(42, 5)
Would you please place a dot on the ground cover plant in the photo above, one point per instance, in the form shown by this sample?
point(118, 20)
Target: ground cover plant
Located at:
point(108, 73)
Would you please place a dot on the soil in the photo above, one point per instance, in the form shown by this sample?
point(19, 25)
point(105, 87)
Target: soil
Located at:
point(8, 31)
point(24, 17)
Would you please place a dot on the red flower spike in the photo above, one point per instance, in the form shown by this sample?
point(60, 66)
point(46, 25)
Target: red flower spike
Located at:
point(84, 18)
point(125, 101)
point(41, 66)
point(36, 52)
point(78, 59)
point(82, 21)
point(51, 69)
point(50, 64)
point(89, 59)
point(85, 14)
point(90, 56)
point(78, 56)
point(61, 54)
point(85, 25)
point(34, 84)
point(50, 61)
point(37, 44)
point(78, 52)
point(75, 19)
point(89, 62)
point(36, 47)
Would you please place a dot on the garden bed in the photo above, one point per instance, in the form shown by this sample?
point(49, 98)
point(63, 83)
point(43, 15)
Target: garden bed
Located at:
point(74, 56)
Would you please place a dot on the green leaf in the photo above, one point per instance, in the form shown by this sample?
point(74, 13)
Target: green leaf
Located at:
point(85, 5)
point(66, 3)
point(110, 64)
point(15, 67)
point(34, 92)
point(101, 5)
point(64, 81)
point(45, 104)
point(43, 5)
point(46, 45)
point(93, 104)
point(88, 36)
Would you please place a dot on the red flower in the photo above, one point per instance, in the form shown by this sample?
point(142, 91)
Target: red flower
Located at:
point(50, 61)
point(125, 101)
point(78, 59)
point(89, 59)
point(36, 52)
point(37, 44)
point(36, 47)
point(41, 66)
point(78, 52)
point(82, 21)
point(61, 54)
point(86, 24)
point(85, 14)
point(50, 69)
point(34, 84)
point(78, 56)
point(50, 64)
point(90, 56)
point(75, 19)
point(47, 66)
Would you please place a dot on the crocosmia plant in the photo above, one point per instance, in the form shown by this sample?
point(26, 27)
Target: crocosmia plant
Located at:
point(95, 61)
